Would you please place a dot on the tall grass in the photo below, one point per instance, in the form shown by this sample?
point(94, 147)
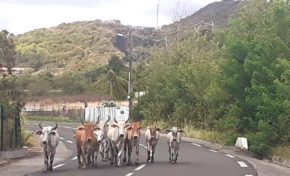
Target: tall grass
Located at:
point(211, 136)
point(48, 119)
point(282, 151)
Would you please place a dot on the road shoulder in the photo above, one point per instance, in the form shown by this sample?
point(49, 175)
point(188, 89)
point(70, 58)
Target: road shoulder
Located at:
point(264, 168)
point(34, 162)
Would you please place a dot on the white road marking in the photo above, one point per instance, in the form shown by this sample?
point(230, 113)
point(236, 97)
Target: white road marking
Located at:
point(129, 174)
point(228, 155)
point(67, 127)
point(248, 175)
point(213, 150)
point(2, 162)
point(196, 144)
point(57, 166)
point(75, 158)
point(61, 138)
point(69, 141)
point(143, 146)
point(242, 164)
point(140, 167)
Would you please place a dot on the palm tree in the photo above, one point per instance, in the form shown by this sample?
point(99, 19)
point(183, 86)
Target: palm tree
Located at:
point(118, 85)
point(113, 76)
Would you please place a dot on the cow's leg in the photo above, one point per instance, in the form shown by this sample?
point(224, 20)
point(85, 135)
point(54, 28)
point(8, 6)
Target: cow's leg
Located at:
point(176, 154)
point(120, 150)
point(102, 150)
point(129, 153)
point(84, 158)
point(92, 158)
point(137, 154)
point(79, 160)
point(51, 160)
point(96, 156)
point(148, 152)
point(169, 152)
point(45, 162)
point(152, 153)
point(107, 149)
point(112, 157)
point(125, 151)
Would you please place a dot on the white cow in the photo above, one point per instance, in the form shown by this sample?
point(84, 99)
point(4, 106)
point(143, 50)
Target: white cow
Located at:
point(49, 140)
point(104, 147)
point(173, 140)
point(116, 135)
point(152, 137)
point(99, 137)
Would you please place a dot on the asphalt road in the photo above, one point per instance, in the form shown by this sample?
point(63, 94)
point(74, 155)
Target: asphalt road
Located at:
point(194, 160)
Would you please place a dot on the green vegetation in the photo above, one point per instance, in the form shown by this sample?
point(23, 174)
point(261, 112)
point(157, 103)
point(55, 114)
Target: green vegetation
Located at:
point(282, 151)
point(10, 96)
point(81, 46)
point(110, 80)
point(48, 119)
point(231, 83)
point(217, 85)
point(7, 50)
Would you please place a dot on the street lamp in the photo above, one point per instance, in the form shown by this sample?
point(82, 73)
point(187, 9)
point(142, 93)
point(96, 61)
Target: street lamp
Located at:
point(130, 70)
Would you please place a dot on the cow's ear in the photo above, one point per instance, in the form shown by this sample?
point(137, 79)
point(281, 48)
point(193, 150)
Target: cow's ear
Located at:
point(39, 132)
point(114, 126)
point(129, 128)
point(81, 128)
point(167, 131)
point(128, 125)
point(53, 133)
point(97, 128)
point(157, 129)
point(181, 131)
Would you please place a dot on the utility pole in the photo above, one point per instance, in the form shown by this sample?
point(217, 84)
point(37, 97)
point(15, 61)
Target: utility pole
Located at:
point(130, 75)
point(157, 14)
point(2, 125)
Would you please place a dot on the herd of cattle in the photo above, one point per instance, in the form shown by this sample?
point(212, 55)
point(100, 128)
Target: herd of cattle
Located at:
point(110, 140)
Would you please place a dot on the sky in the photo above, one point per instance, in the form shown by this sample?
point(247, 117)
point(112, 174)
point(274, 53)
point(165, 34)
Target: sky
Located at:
point(20, 16)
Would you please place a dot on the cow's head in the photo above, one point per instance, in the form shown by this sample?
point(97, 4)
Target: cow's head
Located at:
point(153, 131)
point(99, 135)
point(174, 131)
point(136, 129)
point(104, 124)
point(122, 125)
point(89, 130)
point(46, 132)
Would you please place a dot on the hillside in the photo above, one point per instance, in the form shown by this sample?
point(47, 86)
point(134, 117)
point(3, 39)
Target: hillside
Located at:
point(217, 13)
point(76, 46)
point(86, 45)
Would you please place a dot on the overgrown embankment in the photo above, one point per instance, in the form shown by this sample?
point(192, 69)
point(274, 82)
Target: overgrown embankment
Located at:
point(232, 83)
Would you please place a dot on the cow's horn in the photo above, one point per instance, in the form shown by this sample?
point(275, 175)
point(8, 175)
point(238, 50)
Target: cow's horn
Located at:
point(115, 120)
point(40, 126)
point(109, 117)
point(54, 128)
point(97, 122)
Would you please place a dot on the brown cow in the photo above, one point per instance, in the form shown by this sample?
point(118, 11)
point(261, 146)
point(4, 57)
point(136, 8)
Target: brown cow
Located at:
point(152, 137)
point(132, 139)
point(85, 141)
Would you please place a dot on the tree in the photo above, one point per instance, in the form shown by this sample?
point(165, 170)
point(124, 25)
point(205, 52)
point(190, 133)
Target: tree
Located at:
point(7, 50)
point(255, 73)
point(114, 76)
